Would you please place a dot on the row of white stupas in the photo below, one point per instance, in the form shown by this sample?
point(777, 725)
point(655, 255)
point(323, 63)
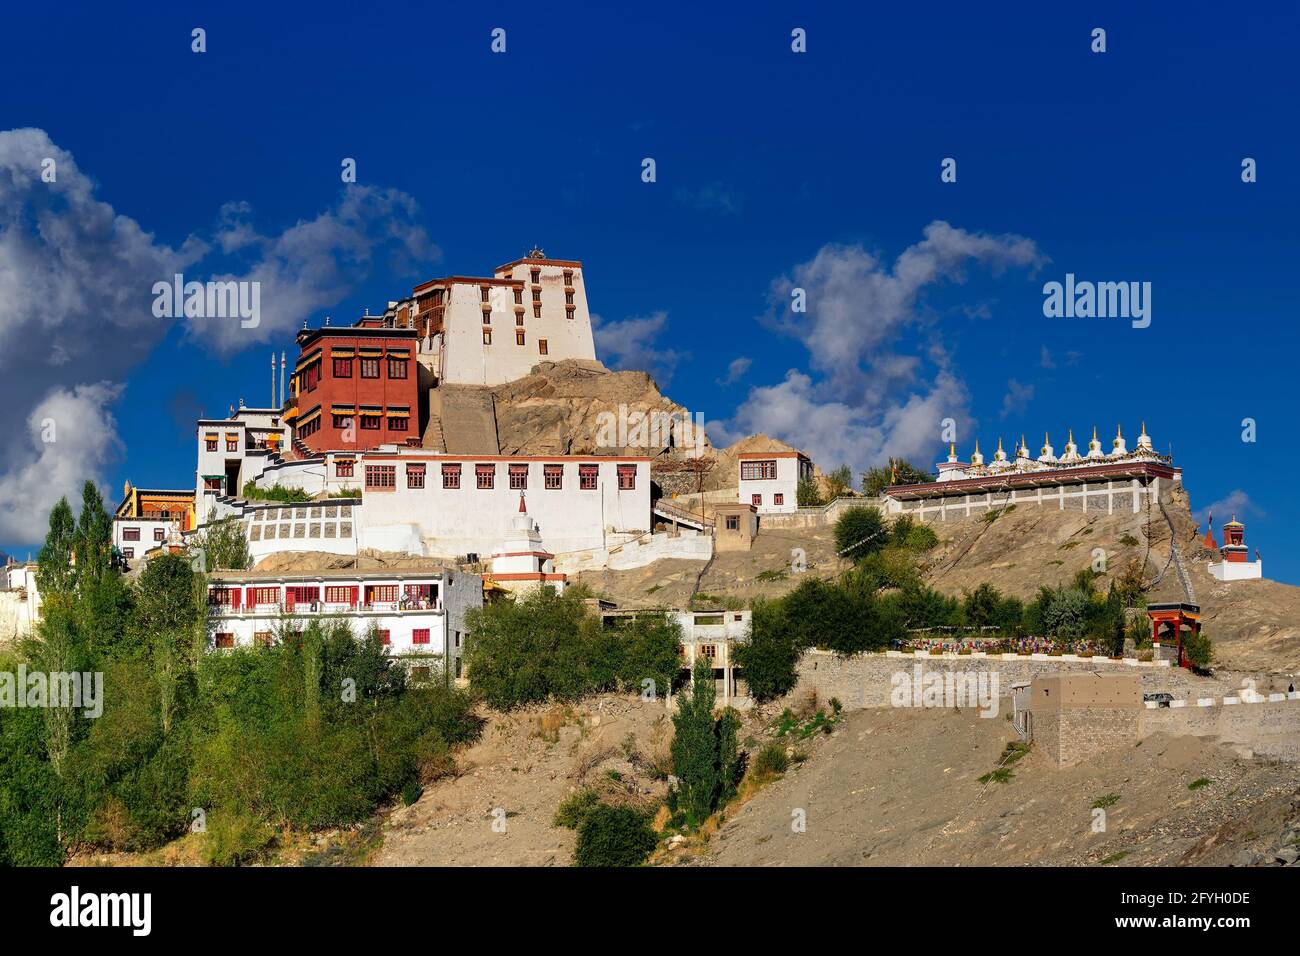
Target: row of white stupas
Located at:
point(1047, 460)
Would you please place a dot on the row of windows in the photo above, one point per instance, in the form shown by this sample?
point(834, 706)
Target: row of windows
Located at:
point(384, 477)
point(520, 339)
point(757, 470)
point(419, 635)
point(777, 499)
point(133, 534)
point(372, 421)
point(369, 367)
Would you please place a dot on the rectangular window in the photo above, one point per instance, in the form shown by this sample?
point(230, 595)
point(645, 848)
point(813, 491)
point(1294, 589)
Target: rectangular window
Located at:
point(587, 475)
point(541, 347)
point(382, 594)
point(537, 311)
point(343, 469)
point(451, 476)
point(518, 477)
point(537, 295)
point(756, 500)
point(263, 638)
point(340, 594)
point(519, 336)
point(553, 476)
point(519, 296)
point(265, 596)
point(383, 636)
point(396, 368)
point(343, 368)
point(778, 499)
point(733, 522)
point(310, 377)
point(568, 313)
point(485, 475)
point(370, 368)
point(232, 444)
point(537, 276)
point(420, 635)
point(225, 639)
point(381, 477)
point(371, 420)
point(159, 534)
point(414, 474)
point(485, 294)
point(757, 470)
point(519, 318)
point(342, 421)
point(212, 484)
point(221, 597)
point(487, 336)
point(130, 534)
point(568, 298)
point(398, 423)
point(210, 444)
point(627, 477)
point(128, 552)
point(568, 278)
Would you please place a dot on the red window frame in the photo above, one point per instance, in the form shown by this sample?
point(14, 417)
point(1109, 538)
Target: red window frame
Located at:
point(420, 635)
point(553, 477)
point(369, 368)
point(258, 596)
point(778, 498)
point(383, 636)
point(130, 534)
point(518, 477)
point(397, 368)
point(485, 477)
point(224, 639)
point(381, 594)
point(212, 484)
point(415, 476)
point(763, 470)
point(627, 477)
point(756, 500)
point(381, 477)
point(343, 469)
point(451, 475)
point(343, 368)
point(588, 477)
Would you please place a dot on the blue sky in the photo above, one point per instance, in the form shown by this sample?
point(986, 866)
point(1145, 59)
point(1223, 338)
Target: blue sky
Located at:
point(773, 169)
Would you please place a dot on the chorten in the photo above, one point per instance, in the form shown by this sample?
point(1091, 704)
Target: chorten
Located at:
point(521, 562)
point(1094, 446)
point(1117, 447)
point(1144, 446)
point(999, 462)
point(1071, 454)
point(977, 459)
point(1236, 565)
point(1048, 455)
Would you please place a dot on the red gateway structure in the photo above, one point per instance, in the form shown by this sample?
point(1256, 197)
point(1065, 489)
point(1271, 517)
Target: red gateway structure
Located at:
point(355, 388)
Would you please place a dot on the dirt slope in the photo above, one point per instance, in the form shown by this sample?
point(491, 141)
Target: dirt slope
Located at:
point(900, 787)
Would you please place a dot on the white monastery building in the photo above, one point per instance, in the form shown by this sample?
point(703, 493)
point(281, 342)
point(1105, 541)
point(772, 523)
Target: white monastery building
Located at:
point(770, 480)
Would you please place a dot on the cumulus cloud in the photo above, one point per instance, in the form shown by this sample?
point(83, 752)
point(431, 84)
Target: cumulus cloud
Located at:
point(76, 298)
point(70, 436)
point(630, 344)
point(736, 370)
point(880, 382)
point(1235, 502)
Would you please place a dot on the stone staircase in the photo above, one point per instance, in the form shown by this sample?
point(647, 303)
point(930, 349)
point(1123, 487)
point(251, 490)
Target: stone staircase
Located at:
point(433, 438)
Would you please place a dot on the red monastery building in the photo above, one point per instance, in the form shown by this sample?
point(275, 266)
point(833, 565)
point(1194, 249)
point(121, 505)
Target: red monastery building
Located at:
point(355, 388)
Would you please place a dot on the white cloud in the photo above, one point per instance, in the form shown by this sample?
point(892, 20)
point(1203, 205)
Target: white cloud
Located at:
point(1236, 502)
point(629, 344)
point(736, 370)
point(876, 394)
point(76, 297)
point(1017, 398)
point(70, 436)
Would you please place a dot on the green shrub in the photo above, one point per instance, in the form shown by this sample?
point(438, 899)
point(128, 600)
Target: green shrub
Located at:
point(614, 836)
point(234, 839)
point(575, 808)
point(411, 793)
point(771, 761)
point(860, 532)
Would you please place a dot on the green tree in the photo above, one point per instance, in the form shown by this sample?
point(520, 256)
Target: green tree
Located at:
point(898, 471)
point(1198, 649)
point(860, 532)
point(807, 495)
point(613, 836)
point(839, 482)
point(222, 544)
point(704, 750)
point(55, 572)
point(768, 660)
point(980, 607)
point(93, 545)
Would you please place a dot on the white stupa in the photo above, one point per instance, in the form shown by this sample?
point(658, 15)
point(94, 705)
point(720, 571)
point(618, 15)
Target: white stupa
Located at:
point(1117, 447)
point(999, 462)
point(1048, 455)
point(521, 563)
point(1094, 446)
